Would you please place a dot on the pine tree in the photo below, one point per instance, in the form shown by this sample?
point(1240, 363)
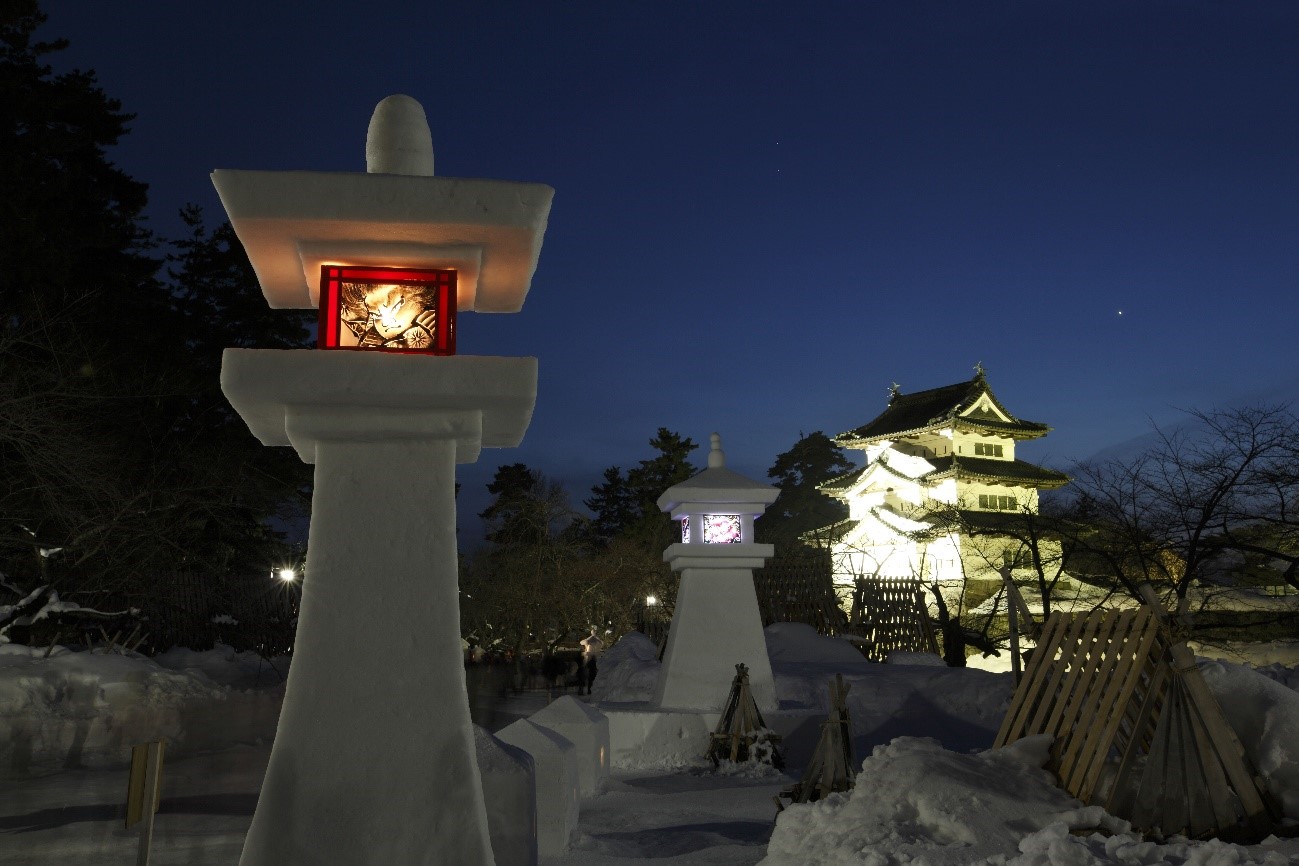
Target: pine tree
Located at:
point(116, 444)
point(801, 507)
point(77, 302)
point(512, 518)
point(626, 506)
point(613, 503)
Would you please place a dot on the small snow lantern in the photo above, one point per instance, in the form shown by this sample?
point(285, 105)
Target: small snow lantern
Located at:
point(388, 309)
point(717, 506)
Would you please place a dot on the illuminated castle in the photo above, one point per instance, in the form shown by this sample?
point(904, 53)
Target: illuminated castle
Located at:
point(940, 469)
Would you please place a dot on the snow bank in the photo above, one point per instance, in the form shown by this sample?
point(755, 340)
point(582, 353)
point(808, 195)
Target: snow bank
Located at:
point(915, 800)
point(1265, 716)
point(917, 803)
point(960, 707)
point(223, 665)
point(793, 643)
point(1277, 660)
point(628, 671)
point(87, 709)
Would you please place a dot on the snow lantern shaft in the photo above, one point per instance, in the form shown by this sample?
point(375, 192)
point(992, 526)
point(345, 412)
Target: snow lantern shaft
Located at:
point(374, 757)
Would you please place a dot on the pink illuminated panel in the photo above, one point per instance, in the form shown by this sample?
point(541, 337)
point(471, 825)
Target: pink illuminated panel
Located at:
point(388, 309)
point(722, 529)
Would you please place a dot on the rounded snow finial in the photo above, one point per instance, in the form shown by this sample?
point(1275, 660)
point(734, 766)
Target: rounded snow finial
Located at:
point(716, 457)
point(399, 141)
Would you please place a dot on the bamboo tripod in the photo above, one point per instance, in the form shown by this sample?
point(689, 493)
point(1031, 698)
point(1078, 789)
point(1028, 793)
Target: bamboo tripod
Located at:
point(831, 767)
point(741, 733)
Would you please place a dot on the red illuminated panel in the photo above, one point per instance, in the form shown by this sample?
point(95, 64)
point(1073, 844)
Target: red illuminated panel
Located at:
point(388, 310)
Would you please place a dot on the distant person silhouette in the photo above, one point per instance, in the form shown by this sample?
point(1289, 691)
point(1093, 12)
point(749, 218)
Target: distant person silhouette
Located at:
point(592, 646)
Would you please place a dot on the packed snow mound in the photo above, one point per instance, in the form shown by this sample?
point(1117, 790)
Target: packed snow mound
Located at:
point(88, 708)
point(904, 657)
point(797, 643)
point(916, 803)
point(1265, 716)
point(628, 671)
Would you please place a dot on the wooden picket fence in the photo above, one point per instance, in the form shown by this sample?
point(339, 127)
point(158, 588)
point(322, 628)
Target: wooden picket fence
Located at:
point(891, 614)
point(1136, 728)
point(800, 589)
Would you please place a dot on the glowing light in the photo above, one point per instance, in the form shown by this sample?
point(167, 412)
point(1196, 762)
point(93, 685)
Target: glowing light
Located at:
point(286, 574)
point(388, 309)
point(651, 600)
point(721, 529)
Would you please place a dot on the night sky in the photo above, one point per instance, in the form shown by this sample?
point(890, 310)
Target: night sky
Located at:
point(768, 212)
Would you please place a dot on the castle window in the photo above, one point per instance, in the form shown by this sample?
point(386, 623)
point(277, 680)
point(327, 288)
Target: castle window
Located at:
point(987, 450)
point(990, 502)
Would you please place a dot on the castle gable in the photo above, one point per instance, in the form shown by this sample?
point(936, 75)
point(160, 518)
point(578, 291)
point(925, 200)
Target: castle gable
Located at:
point(969, 405)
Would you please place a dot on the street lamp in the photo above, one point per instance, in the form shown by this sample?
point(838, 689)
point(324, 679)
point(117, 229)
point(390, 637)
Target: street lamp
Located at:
point(287, 575)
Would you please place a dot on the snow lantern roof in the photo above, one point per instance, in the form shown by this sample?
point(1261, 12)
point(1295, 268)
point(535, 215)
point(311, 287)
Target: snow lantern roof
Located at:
point(396, 214)
point(717, 488)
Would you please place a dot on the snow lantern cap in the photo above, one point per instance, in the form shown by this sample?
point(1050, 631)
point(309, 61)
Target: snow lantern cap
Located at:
point(717, 490)
point(398, 140)
point(395, 214)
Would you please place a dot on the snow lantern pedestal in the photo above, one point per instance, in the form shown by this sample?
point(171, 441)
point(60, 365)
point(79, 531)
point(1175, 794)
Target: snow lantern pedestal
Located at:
point(716, 623)
point(374, 756)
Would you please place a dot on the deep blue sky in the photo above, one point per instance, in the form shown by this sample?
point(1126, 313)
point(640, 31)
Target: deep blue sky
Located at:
point(768, 212)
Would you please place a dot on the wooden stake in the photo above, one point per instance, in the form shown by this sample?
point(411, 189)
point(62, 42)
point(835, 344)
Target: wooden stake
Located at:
point(144, 793)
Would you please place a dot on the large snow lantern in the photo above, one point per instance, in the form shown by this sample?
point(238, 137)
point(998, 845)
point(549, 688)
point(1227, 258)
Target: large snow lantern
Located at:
point(717, 506)
point(388, 309)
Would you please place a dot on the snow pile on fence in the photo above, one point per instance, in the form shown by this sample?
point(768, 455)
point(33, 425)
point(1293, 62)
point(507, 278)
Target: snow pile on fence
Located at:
point(1265, 716)
point(87, 709)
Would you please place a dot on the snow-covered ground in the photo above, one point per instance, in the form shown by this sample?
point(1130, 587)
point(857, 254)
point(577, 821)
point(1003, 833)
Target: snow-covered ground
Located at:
point(928, 792)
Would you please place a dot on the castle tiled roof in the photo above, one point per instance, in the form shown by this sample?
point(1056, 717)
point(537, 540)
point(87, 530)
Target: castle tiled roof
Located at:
point(1004, 471)
point(938, 408)
point(967, 468)
point(842, 482)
